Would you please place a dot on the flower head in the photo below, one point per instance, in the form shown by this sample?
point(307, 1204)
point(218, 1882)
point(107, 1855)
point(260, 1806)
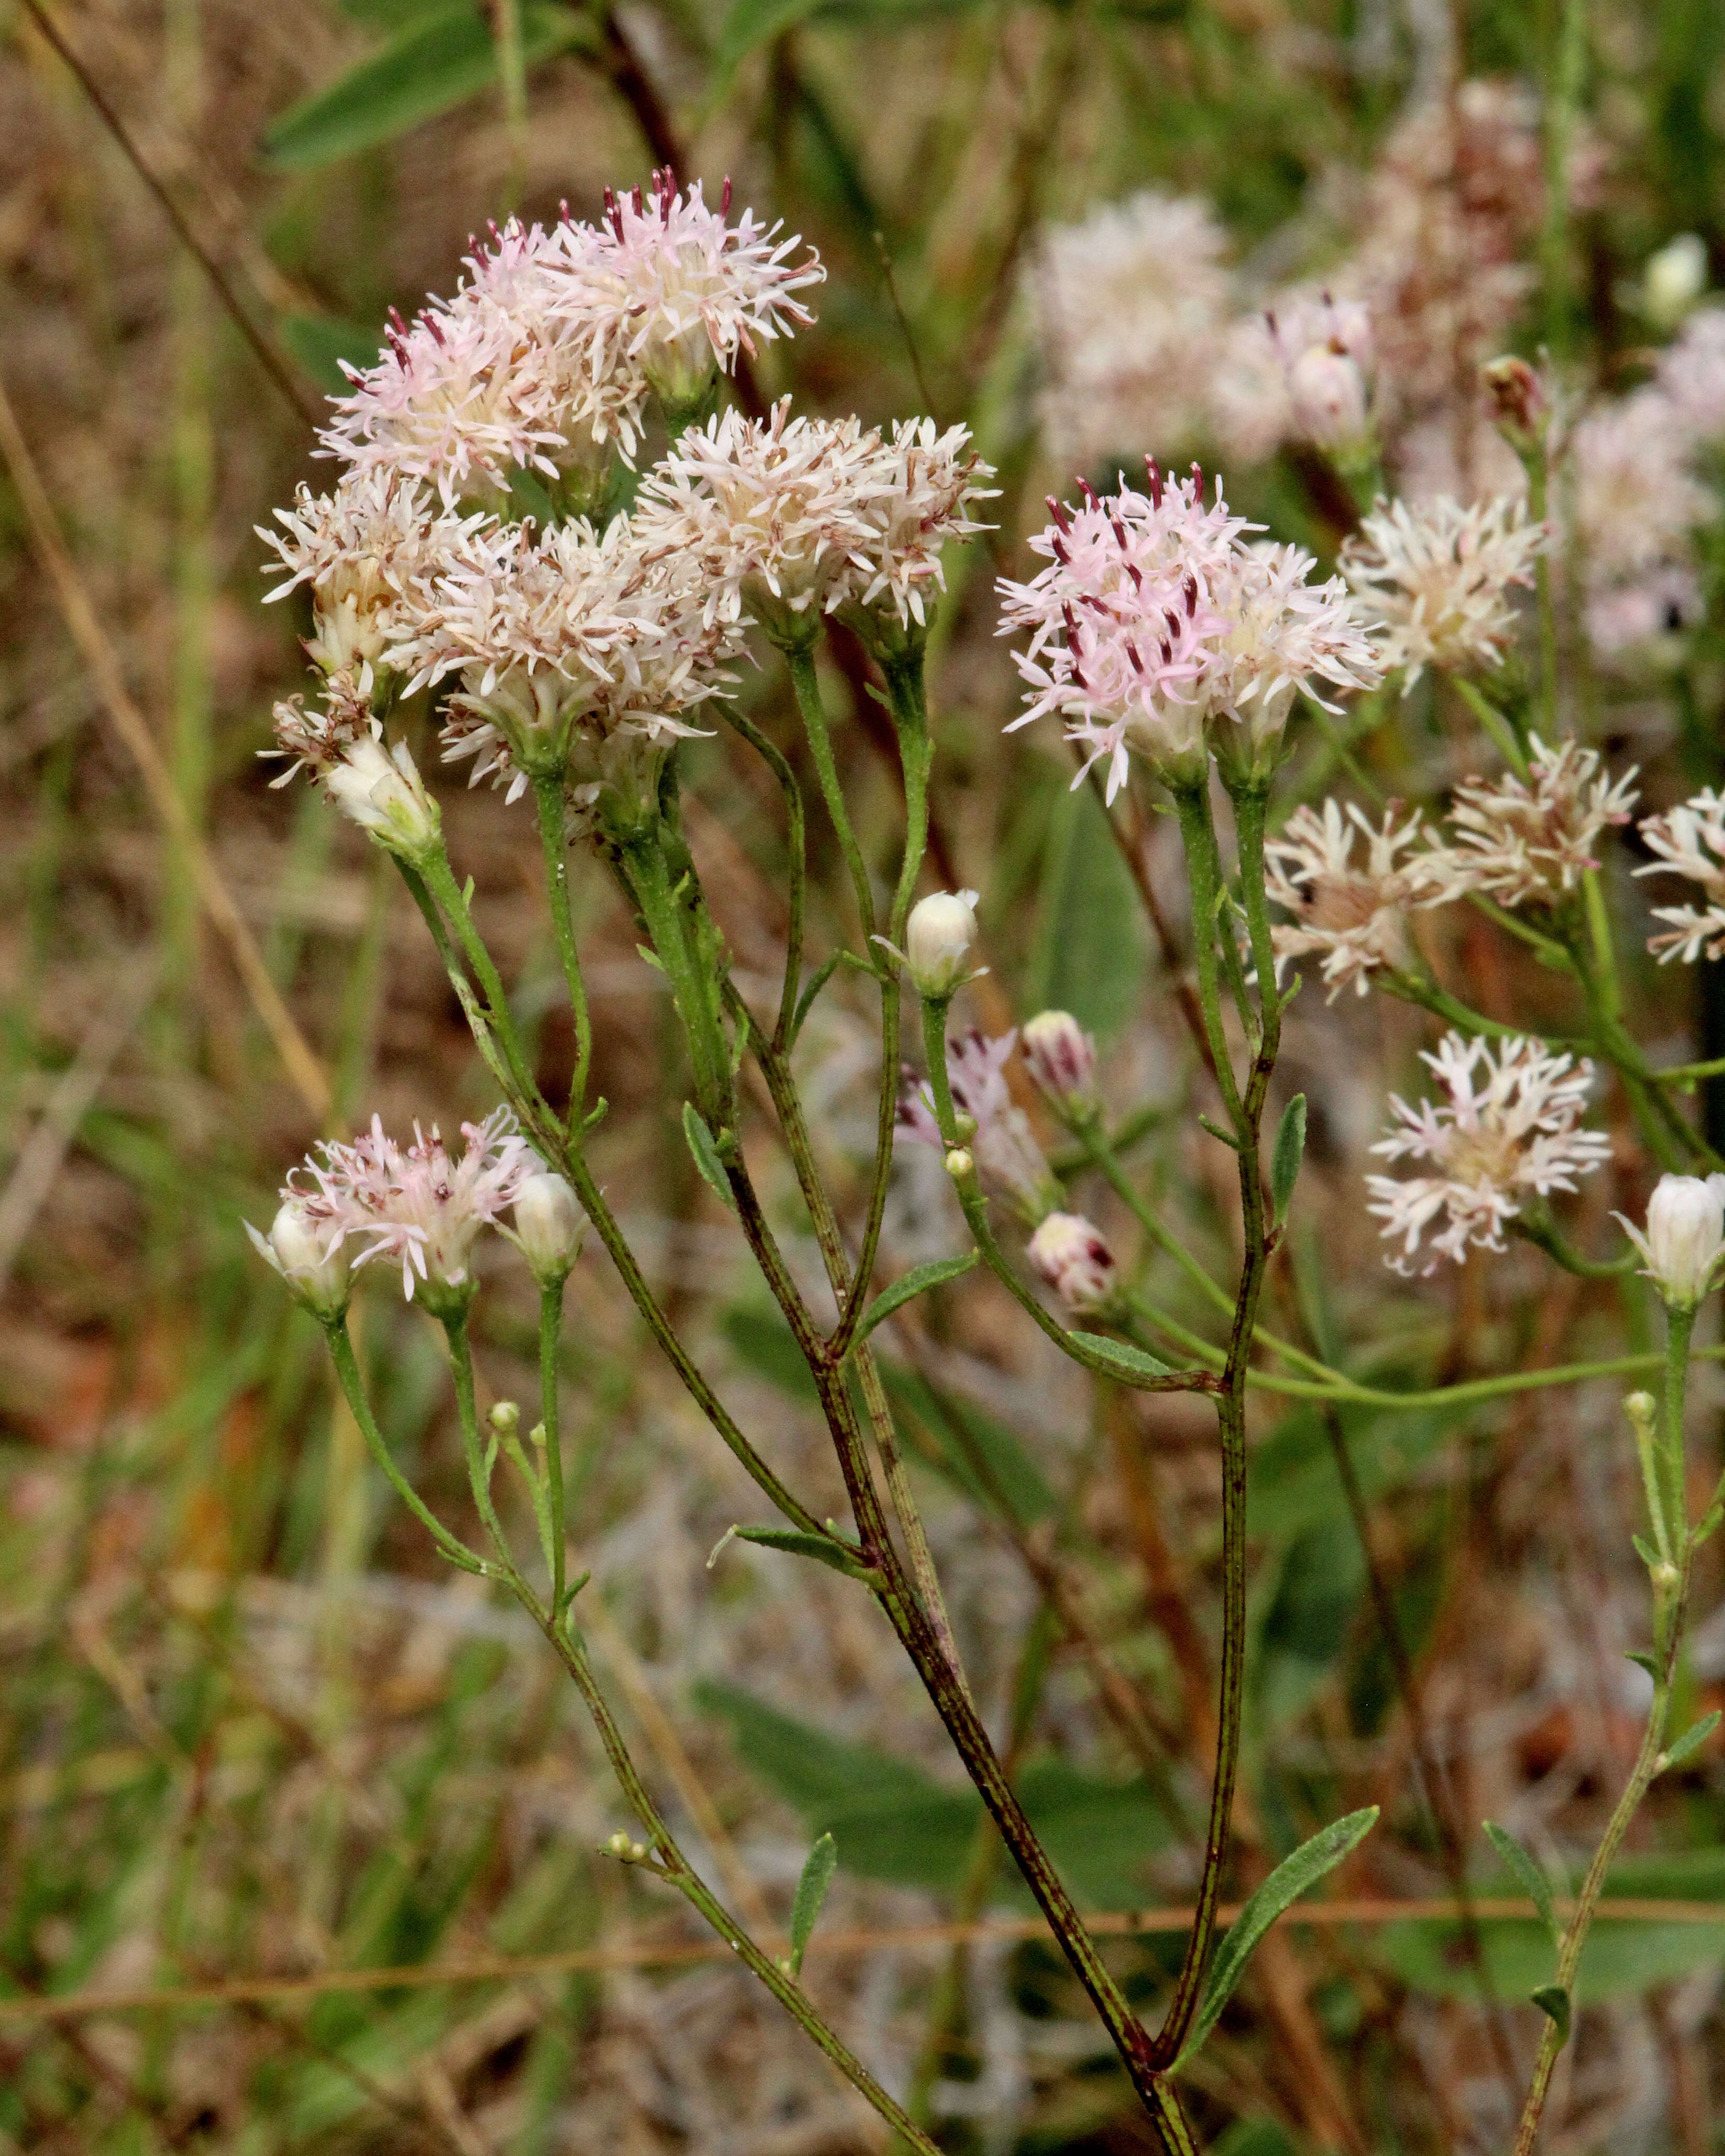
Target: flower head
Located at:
point(1690, 841)
point(1685, 1237)
point(1129, 306)
point(1351, 916)
point(1507, 1132)
point(1074, 1258)
point(415, 1203)
point(307, 1251)
point(316, 740)
point(365, 551)
point(940, 935)
point(671, 288)
point(1154, 617)
point(549, 1225)
point(1637, 500)
point(1006, 1155)
point(1061, 1057)
point(1324, 346)
point(381, 790)
point(1440, 575)
point(1530, 842)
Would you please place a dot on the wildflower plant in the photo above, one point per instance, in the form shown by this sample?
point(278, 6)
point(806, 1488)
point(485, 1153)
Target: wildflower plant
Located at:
point(1184, 657)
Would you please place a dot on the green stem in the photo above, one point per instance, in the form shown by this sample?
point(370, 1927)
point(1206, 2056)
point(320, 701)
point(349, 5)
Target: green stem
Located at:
point(1539, 496)
point(454, 1324)
point(352, 1385)
point(551, 1327)
point(1203, 866)
point(548, 799)
point(694, 988)
point(439, 880)
point(797, 846)
point(1494, 722)
point(1671, 1605)
point(805, 683)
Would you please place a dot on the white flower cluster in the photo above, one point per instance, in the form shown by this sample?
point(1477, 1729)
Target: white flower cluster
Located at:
point(1529, 842)
point(1350, 915)
point(1507, 1130)
point(573, 648)
point(1690, 841)
point(1155, 620)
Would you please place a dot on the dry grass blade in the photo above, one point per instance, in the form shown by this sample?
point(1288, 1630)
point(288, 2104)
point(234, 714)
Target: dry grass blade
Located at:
point(302, 1065)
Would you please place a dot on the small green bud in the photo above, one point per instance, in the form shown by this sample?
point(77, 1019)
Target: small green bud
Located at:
point(505, 1418)
point(959, 1163)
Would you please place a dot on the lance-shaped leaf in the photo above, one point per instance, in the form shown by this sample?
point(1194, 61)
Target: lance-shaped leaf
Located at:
point(1290, 1151)
point(1554, 2002)
point(1689, 1743)
point(832, 1550)
point(1534, 1882)
point(811, 1892)
point(911, 1285)
point(1118, 1356)
point(705, 1155)
point(1285, 1886)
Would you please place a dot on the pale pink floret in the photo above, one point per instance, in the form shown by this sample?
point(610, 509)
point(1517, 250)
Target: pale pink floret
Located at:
point(414, 1202)
point(671, 289)
point(1507, 1131)
point(1530, 841)
point(1008, 1160)
point(1690, 841)
point(1351, 916)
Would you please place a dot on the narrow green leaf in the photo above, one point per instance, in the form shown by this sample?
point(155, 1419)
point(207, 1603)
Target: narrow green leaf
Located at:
point(1216, 1131)
point(321, 342)
point(705, 1155)
point(1533, 1881)
point(1290, 1151)
point(1689, 1743)
point(811, 1892)
point(829, 1550)
point(1648, 1556)
point(438, 59)
point(1643, 1661)
point(1120, 1357)
point(1554, 2002)
point(1290, 1880)
point(911, 1284)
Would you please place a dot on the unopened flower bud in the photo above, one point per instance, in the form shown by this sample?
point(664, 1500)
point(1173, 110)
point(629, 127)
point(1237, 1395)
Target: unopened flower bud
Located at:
point(1519, 401)
point(1684, 1239)
point(505, 1418)
point(1643, 1412)
point(619, 1844)
point(939, 938)
point(1074, 1258)
point(549, 1226)
point(1326, 389)
point(959, 1163)
point(382, 791)
point(1061, 1057)
point(1675, 278)
point(308, 1256)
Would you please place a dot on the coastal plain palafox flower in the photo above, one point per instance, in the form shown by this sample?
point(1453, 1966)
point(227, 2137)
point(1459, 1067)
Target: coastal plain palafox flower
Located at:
point(308, 1253)
point(381, 790)
point(1690, 841)
point(1350, 915)
point(1439, 577)
point(415, 1203)
point(1073, 1256)
point(1061, 1057)
point(1685, 1236)
point(1507, 1130)
point(1530, 841)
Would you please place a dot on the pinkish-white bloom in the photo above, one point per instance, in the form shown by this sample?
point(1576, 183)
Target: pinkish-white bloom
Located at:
point(549, 1226)
point(1351, 915)
point(1153, 618)
point(1130, 307)
point(1690, 841)
point(669, 289)
point(1507, 1130)
point(793, 517)
point(1061, 1057)
point(416, 1204)
point(1073, 1256)
point(1439, 576)
point(1641, 621)
point(1529, 842)
point(1324, 344)
point(1637, 500)
point(1685, 1237)
point(365, 551)
point(940, 935)
point(1008, 1159)
point(316, 740)
point(1691, 375)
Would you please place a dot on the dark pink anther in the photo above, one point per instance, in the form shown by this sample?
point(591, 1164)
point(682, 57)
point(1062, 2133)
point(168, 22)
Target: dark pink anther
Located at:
point(1088, 491)
point(1154, 471)
point(1131, 653)
point(1060, 551)
point(1061, 515)
point(725, 198)
point(1119, 531)
point(613, 214)
point(1190, 588)
point(1137, 574)
point(639, 201)
point(1168, 656)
